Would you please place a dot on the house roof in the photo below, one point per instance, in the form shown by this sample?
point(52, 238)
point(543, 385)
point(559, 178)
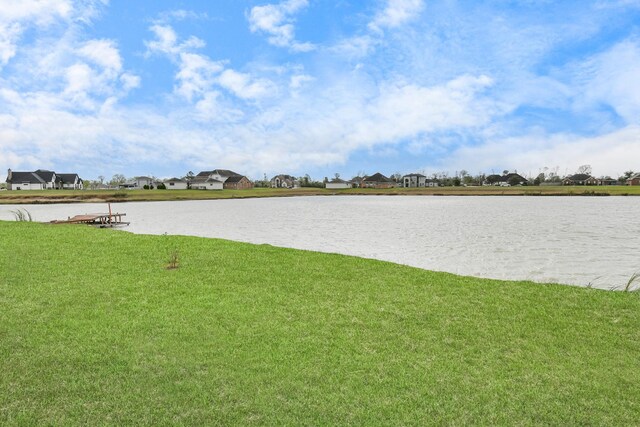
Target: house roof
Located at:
point(235, 178)
point(636, 176)
point(38, 177)
point(142, 177)
point(338, 181)
point(289, 177)
point(202, 179)
point(47, 176)
point(419, 175)
point(377, 177)
point(221, 172)
point(507, 177)
point(30, 177)
point(69, 178)
point(176, 180)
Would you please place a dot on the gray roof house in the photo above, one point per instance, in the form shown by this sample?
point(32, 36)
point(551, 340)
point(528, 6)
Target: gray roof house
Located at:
point(42, 180)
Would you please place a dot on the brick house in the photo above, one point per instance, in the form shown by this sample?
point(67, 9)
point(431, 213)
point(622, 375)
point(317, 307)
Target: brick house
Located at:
point(238, 182)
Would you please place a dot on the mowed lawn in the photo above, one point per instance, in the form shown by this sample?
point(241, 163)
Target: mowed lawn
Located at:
point(95, 330)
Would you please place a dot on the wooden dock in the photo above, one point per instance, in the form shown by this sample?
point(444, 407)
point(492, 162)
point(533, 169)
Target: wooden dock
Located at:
point(100, 220)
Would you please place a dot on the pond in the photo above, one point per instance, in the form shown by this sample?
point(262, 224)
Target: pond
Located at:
point(571, 240)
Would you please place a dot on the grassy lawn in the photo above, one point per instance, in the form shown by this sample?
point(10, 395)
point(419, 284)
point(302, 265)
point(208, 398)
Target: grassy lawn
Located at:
point(74, 196)
point(95, 330)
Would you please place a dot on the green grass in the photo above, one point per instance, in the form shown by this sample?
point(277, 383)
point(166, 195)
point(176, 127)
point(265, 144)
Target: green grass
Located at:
point(94, 329)
point(75, 196)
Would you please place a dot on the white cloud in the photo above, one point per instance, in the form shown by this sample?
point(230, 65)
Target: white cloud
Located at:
point(396, 13)
point(243, 86)
point(197, 74)
point(611, 78)
point(43, 12)
point(103, 53)
point(608, 154)
point(276, 20)
point(9, 35)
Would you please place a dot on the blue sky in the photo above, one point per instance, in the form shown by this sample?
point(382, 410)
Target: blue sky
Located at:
point(312, 86)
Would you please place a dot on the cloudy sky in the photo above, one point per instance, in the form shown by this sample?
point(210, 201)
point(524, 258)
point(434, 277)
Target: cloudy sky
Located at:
point(159, 87)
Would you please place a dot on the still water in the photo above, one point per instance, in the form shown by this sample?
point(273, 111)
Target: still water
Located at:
point(571, 240)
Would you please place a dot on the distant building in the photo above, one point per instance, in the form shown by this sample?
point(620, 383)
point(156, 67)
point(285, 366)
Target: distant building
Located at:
point(608, 181)
point(377, 180)
point(284, 181)
point(206, 183)
point(634, 180)
point(238, 182)
point(43, 180)
point(337, 184)
point(229, 179)
point(176, 184)
point(580, 179)
point(414, 180)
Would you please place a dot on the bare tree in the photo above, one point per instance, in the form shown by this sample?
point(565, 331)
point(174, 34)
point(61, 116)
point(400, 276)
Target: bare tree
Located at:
point(584, 170)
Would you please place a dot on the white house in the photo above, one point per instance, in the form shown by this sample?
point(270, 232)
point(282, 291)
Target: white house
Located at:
point(176, 184)
point(71, 181)
point(337, 184)
point(206, 183)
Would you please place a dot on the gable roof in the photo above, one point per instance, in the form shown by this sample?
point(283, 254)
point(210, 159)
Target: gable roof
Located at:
point(338, 181)
point(289, 177)
point(69, 178)
point(37, 177)
point(176, 180)
point(235, 178)
point(221, 172)
point(377, 177)
point(202, 179)
point(419, 175)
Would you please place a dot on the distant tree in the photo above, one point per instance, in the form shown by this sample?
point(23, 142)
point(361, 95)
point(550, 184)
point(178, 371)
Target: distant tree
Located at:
point(161, 186)
point(625, 176)
point(539, 179)
point(584, 170)
point(504, 172)
point(101, 179)
point(456, 181)
point(492, 179)
point(336, 175)
point(118, 179)
point(189, 178)
point(514, 180)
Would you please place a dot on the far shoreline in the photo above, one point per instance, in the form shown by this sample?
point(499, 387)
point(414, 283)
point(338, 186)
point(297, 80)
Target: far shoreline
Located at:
point(117, 196)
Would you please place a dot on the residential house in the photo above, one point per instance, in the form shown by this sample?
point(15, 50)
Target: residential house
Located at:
point(634, 180)
point(580, 179)
point(414, 180)
point(206, 183)
point(230, 179)
point(377, 180)
point(356, 181)
point(176, 184)
point(238, 182)
point(138, 183)
point(337, 184)
point(608, 181)
point(71, 181)
point(41, 180)
point(284, 181)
